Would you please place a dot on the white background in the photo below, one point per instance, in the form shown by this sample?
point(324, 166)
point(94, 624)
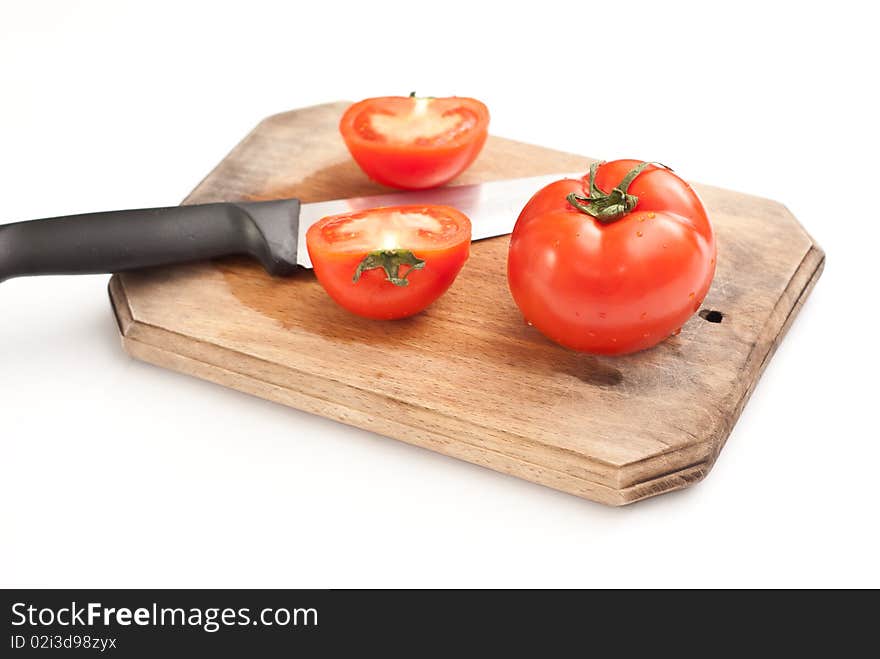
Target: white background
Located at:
point(116, 473)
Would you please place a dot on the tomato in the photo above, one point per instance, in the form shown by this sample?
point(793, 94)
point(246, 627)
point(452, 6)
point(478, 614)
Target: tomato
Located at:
point(614, 268)
point(415, 143)
point(390, 262)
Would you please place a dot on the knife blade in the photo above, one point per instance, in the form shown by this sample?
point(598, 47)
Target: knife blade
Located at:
point(492, 207)
point(273, 232)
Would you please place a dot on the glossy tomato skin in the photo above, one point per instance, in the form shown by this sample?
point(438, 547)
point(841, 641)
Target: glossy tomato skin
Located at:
point(373, 296)
point(612, 288)
point(414, 165)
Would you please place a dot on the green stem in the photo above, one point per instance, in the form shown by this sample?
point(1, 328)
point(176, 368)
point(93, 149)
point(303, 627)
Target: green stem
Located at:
point(608, 207)
point(390, 261)
point(595, 192)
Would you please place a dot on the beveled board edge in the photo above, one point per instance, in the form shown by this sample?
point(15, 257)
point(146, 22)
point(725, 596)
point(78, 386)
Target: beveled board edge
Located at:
point(160, 351)
point(158, 355)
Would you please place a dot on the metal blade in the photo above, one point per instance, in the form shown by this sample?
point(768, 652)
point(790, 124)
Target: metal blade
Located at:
point(492, 207)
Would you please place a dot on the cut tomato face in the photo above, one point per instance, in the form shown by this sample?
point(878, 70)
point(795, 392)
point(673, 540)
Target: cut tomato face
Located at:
point(412, 142)
point(388, 263)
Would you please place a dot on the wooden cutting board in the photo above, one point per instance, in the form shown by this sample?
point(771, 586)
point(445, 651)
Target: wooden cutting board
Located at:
point(468, 378)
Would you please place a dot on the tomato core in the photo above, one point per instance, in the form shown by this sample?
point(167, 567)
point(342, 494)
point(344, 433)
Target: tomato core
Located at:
point(388, 229)
point(426, 122)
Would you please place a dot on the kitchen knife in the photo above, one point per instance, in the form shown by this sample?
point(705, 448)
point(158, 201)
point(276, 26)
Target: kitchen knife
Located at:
point(273, 232)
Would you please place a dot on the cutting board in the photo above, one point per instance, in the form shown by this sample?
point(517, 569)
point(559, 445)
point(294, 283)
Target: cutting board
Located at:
point(468, 378)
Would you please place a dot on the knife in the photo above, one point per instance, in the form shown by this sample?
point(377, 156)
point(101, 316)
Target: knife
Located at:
point(273, 232)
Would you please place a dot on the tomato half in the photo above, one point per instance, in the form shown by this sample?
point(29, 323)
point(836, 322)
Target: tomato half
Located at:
point(614, 268)
point(415, 143)
point(391, 262)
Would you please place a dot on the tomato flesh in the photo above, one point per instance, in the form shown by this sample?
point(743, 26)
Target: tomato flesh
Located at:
point(415, 143)
point(612, 288)
point(438, 235)
point(420, 121)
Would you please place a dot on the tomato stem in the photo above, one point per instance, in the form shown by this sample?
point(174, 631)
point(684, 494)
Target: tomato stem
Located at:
point(390, 261)
point(608, 207)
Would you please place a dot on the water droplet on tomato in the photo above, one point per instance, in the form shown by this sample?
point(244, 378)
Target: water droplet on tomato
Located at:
point(642, 218)
point(592, 334)
point(677, 332)
point(639, 234)
point(644, 315)
point(613, 339)
point(665, 245)
point(691, 295)
point(650, 216)
point(646, 335)
point(602, 314)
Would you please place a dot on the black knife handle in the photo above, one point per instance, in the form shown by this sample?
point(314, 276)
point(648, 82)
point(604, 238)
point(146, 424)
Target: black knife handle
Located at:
point(117, 241)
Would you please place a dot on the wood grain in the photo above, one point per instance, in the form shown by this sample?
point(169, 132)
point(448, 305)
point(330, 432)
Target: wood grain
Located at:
point(468, 378)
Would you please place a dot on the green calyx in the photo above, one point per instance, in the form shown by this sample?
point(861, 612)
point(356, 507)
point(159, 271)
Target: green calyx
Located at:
point(608, 207)
point(390, 261)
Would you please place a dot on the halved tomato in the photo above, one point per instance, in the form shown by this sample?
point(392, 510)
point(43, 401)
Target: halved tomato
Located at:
point(391, 262)
point(412, 142)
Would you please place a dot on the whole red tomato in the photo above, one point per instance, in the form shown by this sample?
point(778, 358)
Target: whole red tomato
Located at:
point(414, 143)
point(391, 262)
point(614, 262)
